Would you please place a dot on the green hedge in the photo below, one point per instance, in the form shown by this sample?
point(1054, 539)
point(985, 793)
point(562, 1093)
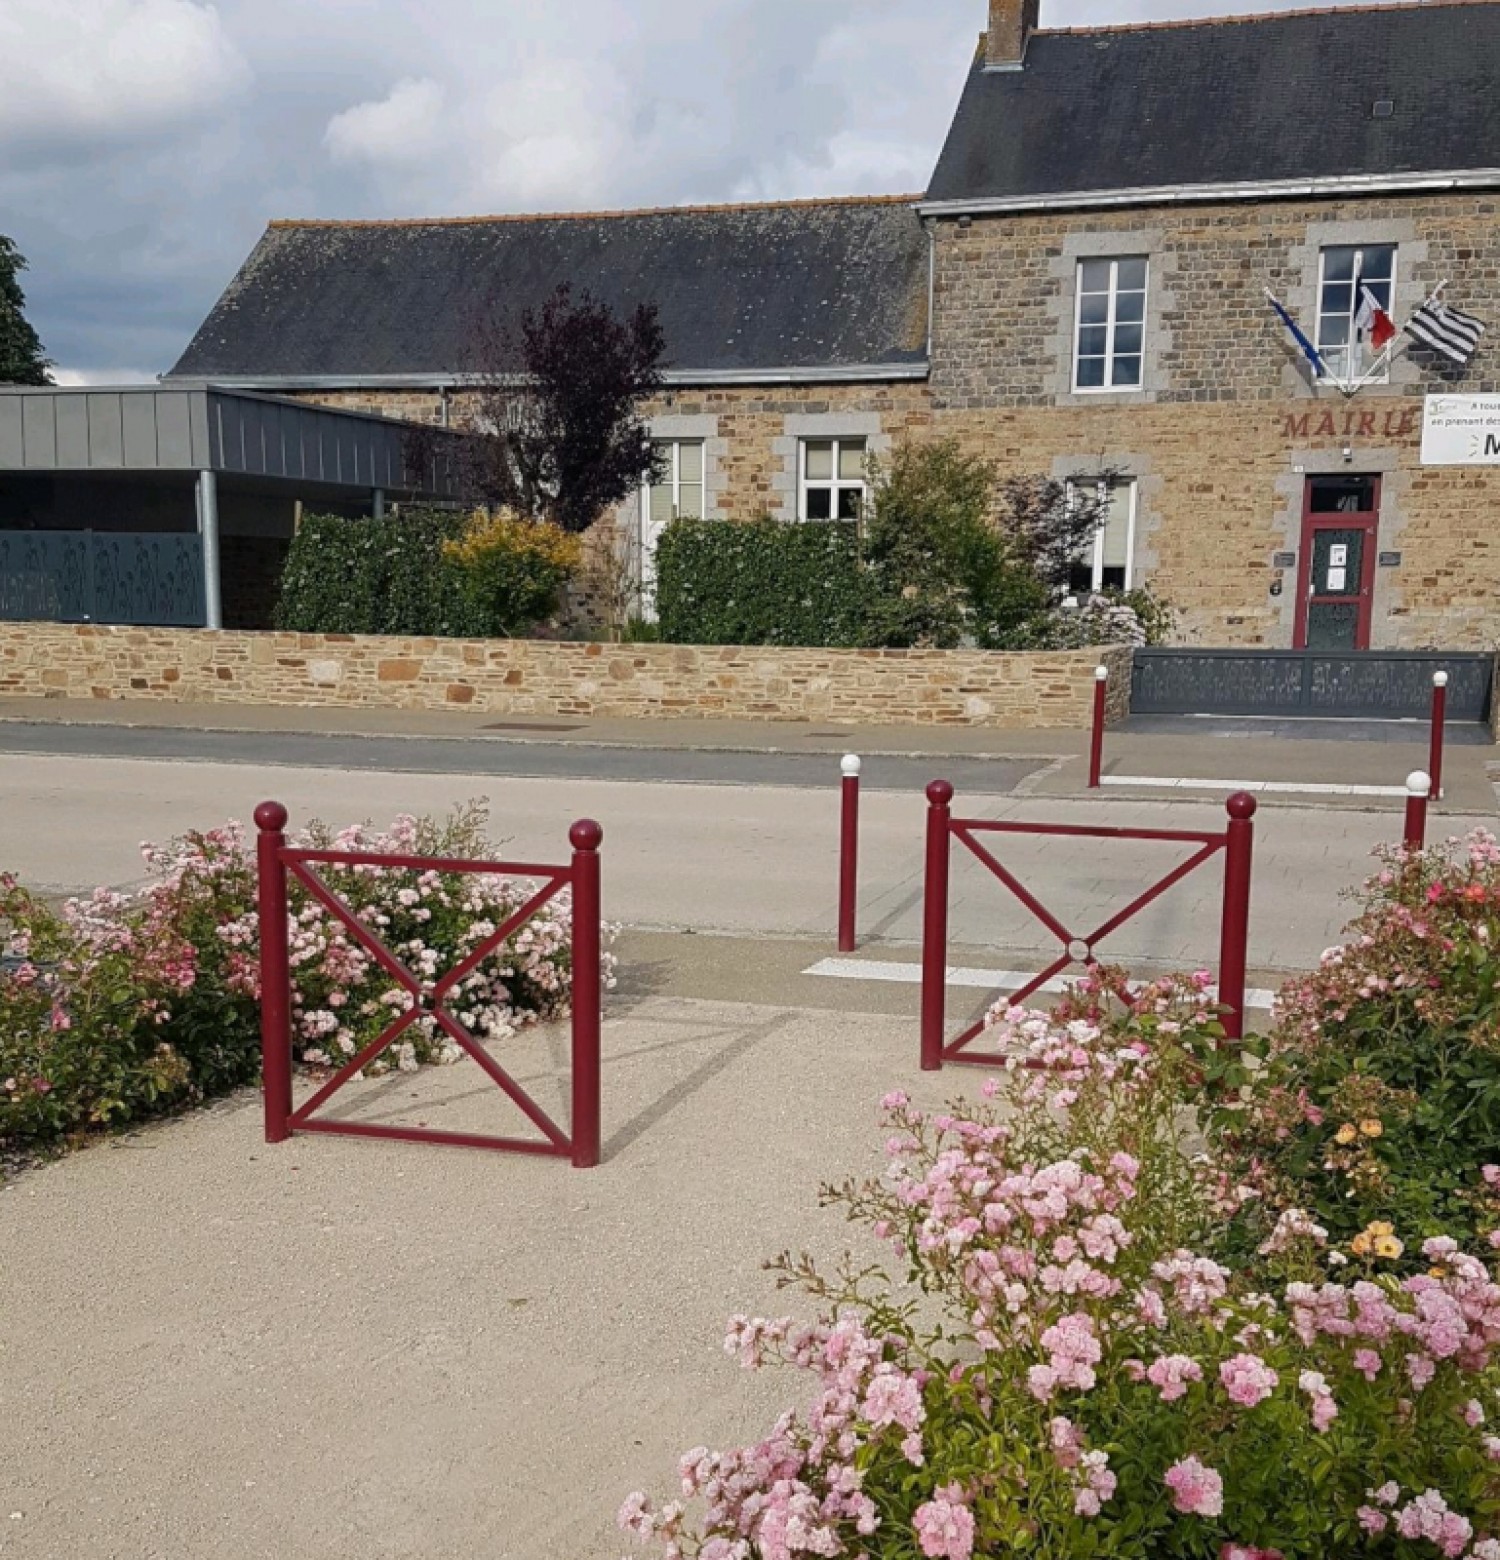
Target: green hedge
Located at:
point(401, 575)
point(372, 576)
point(761, 583)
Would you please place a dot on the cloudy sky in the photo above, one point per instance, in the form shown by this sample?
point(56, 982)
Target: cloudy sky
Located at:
point(145, 143)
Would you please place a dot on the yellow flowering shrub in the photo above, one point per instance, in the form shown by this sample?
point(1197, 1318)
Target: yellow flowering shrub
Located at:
point(510, 571)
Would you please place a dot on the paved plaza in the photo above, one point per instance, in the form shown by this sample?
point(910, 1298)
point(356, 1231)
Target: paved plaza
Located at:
point(212, 1348)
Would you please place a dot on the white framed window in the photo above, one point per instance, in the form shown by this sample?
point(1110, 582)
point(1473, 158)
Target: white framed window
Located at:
point(1108, 561)
point(1109, 337)
point(1345, 271)
point(677, 493)
point(831, 479)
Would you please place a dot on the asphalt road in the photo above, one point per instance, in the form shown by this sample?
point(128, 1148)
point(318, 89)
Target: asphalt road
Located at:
point(518, 759)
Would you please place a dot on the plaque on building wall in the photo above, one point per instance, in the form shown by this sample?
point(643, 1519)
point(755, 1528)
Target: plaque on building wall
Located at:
point(1390, 560)
point(1284, 560)
point(1461, 430)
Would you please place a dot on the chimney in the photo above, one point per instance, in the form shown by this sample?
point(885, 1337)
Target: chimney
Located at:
point(1012, 23)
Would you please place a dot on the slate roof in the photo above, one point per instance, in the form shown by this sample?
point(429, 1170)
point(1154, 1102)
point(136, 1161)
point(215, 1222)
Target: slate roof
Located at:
point(1232, 100)
point(813, 286)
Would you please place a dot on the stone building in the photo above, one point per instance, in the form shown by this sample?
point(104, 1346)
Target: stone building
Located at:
point(1080, 290)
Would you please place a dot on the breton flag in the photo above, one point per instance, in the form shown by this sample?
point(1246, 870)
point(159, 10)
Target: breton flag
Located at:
point(1309, 351)
point(1446, 330)
point(1372, 322)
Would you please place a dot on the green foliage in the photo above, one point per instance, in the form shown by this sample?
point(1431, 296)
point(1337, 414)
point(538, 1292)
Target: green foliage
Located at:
point(640, 631)
point(1051, 1358)
point(120, 1007)
point(1379, 1097)
point(510, 572)
point(422, 572)
point(763, 583)
point(387, 576)
point(938, 567)
point(21, 358)
point(927, 567)
point(1158, 618)
point(109, 1015)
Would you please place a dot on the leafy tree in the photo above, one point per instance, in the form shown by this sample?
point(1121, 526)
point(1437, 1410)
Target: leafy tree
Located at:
point(946, 567)
point(929, 543)
point(21, 359)
point(556, 431)
point(1051, 521)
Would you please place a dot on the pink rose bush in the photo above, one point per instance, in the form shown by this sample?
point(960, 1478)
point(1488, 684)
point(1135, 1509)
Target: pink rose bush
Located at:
point(341, 996)
point(124, 1005)
point(1378, 1099)
point(1057, 1359)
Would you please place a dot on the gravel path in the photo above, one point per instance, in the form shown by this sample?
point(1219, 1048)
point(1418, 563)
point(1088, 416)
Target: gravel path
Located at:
point(345, 1350)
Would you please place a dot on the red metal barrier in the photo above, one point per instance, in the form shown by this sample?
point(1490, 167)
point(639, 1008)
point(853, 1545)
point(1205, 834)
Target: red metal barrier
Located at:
point(1237, 843)
point(1096, 743)
point(849, 854)
point(277, 861)
point(1439, 724)
point(1418, 789)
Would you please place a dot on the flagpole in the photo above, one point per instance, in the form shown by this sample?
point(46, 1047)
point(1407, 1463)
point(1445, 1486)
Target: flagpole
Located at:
point(1400, 341)
point(1347, 385)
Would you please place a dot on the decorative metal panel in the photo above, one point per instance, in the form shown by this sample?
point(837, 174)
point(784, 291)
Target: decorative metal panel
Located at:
point(1332, 625)
point(149, 578)
point(1322, 682)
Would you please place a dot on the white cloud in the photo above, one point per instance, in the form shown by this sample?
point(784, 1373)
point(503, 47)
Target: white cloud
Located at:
point(145, 143)
point(402, 128)
point(72, 378)
point(111, 70)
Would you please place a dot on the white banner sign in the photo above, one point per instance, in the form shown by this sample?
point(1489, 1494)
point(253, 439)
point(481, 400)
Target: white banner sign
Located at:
point(1461, 430)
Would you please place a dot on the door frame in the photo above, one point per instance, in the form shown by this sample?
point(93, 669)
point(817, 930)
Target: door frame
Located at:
point(1365, 520)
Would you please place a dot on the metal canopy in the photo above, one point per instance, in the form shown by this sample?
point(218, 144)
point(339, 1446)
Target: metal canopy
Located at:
point(236, 433)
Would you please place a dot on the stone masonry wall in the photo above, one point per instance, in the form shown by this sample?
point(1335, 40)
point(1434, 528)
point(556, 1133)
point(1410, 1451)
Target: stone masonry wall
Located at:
point(1222, 435)
point(1227, 427)
point(527, 677)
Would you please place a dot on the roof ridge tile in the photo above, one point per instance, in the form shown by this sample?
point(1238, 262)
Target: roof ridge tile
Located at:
point(1167, 24)
point(582, 216)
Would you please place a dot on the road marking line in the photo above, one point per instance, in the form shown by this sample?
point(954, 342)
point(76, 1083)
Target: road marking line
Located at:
point(985, 980)
point(1281, 787)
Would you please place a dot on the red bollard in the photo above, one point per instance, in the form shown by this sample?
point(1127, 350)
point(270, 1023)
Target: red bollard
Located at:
point(1096, 747)
point(935, 926)
point(1234, 943)
point(1439, 724)
point(849, 854)
point(275, 972)
point(588, 991)
point(1418, 789)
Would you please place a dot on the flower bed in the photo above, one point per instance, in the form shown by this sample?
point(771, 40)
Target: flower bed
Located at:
point(122, 1006)
point(1378, 1104)
point(1061, 1362)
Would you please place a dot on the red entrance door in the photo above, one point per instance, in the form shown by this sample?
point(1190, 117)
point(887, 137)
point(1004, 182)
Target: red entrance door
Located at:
point(1336, 574)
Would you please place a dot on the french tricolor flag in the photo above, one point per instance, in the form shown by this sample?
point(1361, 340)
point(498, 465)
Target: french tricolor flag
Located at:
point(1372, 323)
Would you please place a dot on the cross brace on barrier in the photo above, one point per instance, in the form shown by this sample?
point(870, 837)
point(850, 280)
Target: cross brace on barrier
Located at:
point(1236, 841)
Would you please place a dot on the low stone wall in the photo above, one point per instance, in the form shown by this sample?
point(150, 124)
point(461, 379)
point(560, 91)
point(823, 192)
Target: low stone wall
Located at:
point(528, 677)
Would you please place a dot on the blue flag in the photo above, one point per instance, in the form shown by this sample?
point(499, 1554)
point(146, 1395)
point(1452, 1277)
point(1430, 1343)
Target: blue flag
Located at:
point(1309, 351)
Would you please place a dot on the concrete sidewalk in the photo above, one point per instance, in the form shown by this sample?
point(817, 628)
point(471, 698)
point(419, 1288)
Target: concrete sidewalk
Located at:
point(345, 1350)
point(1314, 753)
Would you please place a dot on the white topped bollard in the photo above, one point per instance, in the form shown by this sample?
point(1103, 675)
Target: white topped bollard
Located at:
point(850, 767)
point(1096, 741)
point(1418, 789)
point(1439, 731)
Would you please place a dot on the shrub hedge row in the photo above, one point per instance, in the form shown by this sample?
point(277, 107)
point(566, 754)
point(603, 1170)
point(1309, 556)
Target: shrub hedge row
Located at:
point(424, 572)
point(762, 583)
